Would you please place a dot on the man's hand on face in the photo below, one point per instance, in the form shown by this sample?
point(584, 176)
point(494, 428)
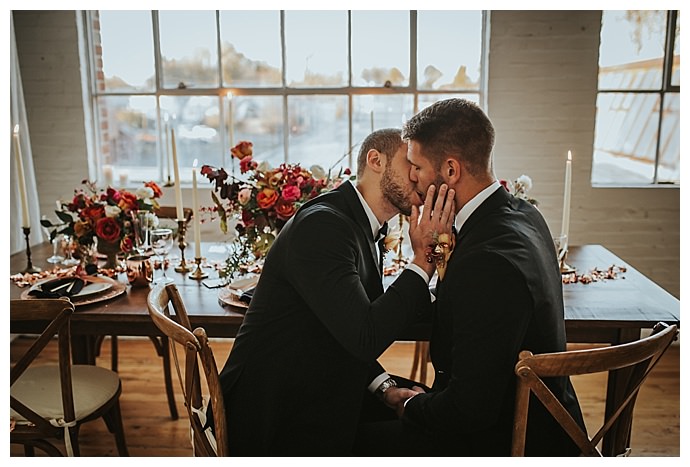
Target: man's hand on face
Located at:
point(436, 217)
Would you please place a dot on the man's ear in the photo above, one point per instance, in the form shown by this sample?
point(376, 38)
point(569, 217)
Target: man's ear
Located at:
point(452, 170)
point(375, 161)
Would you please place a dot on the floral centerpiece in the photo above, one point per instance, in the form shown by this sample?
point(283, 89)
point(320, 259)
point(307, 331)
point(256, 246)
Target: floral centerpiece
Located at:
point(520, 187)
point(104, 216)
point(254, 208)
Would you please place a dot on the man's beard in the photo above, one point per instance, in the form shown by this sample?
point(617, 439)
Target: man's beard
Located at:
point(395, 192)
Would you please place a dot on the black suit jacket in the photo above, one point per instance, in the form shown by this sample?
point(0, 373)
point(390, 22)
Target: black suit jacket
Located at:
point(295, 377)
point(502, 293)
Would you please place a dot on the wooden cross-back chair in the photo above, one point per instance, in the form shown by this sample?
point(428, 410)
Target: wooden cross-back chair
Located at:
point(198, 355)
point(160, 343)
point(632, 361)
point(50, 402)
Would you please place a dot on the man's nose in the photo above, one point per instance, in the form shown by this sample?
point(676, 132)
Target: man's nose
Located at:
point(413, 175)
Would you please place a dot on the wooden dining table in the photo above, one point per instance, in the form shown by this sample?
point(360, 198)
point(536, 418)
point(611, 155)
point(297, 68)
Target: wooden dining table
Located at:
point(607, 311)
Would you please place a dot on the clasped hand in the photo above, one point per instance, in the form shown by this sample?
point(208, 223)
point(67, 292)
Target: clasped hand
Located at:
point(426, 225)
point(395, 397)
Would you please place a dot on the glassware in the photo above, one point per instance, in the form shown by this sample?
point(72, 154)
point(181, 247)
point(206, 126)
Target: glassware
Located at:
point(68, 245)
point(55, 241)
point(162, 243)
point(140, 222)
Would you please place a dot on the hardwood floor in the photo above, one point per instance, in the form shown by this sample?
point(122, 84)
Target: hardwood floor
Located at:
point(150, 431)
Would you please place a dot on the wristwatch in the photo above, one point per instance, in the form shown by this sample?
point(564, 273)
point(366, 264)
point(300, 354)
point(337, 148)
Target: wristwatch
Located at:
point(385, 386)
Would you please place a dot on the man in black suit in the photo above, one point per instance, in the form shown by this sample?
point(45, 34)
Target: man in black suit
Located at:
point(296, 375)
point(501, 293)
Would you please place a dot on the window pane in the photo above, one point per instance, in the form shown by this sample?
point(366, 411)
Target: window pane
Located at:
point(316, 48)
point(669, 155)
point(439, 32)
point(126, 40)
point(318, 130)
point(189, 49)
point(631, 52)
point(259, 119)
point(625, 138)
point(373, 112)
point(675, 77)
point(128, 136)
point(196, 121)
point(375, 61)
point(250, 44)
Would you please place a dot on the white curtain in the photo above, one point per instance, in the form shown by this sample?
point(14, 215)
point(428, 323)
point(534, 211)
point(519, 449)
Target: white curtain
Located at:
point(18, 117)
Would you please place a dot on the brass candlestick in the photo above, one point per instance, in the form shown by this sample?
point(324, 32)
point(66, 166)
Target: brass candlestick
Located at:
point(181, 232)
point(198, 274)
point(29, 267)
point(169, 182)
point(565, 267)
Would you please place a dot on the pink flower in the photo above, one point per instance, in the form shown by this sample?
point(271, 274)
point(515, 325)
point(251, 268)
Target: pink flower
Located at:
point(291, 193)
point(247, 164)
point(244, 196)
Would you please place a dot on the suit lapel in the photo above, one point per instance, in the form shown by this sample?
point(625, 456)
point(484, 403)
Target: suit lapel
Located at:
point(498, 198)
point(360, 217)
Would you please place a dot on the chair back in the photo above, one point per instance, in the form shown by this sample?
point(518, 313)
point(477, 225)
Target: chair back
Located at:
point(198, 356)
point(170, 212)
point(632, 361)
point(56, 313)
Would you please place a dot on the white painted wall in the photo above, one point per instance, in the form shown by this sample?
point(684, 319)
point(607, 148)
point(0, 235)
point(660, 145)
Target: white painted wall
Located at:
point(542, 94)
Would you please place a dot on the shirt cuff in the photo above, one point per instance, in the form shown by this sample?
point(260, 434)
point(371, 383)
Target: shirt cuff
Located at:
point(408, 400)
point(419, 271)
point(374, 385)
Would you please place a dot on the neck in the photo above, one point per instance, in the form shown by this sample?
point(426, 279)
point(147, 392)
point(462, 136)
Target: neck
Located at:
point(382, 209)
point(468, 188)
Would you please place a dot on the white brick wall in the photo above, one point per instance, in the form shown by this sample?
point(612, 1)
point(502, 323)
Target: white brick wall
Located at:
point(542, 94)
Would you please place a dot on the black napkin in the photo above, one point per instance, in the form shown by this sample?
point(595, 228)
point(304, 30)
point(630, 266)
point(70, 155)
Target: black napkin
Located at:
point(64, 287)
point(246, 297)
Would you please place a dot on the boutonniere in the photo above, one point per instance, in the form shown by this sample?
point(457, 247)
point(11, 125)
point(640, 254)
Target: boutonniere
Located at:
point(439, 252)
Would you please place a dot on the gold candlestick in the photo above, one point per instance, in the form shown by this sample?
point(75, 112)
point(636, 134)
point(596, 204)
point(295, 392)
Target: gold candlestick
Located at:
point(198, 274)
point(169, 182)
point(29, 267)
point(182, 242)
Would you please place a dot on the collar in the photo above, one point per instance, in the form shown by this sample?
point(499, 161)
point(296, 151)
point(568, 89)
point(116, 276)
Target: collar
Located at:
point(474, 203)
point(373, 221)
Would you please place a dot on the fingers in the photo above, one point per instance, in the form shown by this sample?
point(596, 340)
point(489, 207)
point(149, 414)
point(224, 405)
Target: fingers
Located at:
point(429, 200)
point(448, 212)
point(440, 200)
point(414, 218)
point(417, 389)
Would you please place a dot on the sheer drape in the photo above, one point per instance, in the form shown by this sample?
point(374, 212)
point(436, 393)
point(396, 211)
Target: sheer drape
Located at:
point(18, 117)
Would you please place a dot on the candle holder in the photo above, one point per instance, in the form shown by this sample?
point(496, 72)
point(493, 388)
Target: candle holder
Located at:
point(169, 182)
point(30, 268)
point(565, 267)
point(198, 274)
point(182, 242)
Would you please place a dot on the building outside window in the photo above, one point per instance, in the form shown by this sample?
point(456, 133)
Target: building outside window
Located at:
point(637, 134)
point(303, 86)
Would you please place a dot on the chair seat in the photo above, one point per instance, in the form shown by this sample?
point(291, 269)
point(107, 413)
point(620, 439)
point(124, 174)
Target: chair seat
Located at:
point(92, 387)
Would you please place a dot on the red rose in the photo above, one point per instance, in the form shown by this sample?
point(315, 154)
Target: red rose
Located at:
point(347, 171)
point(242, 150)
point(266, 198)
point(108, 229)
point(128, 201)
point(285, 210)
point(157, 192)
point(111, 194)
point(504, 184)
point(247, 164)
point(247, 218)
point(291, 193)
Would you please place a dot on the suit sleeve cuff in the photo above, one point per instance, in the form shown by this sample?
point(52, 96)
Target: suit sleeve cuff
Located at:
point(423, 275)
point(374, 385)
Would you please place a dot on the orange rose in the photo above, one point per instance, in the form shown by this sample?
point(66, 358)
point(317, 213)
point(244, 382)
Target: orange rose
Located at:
point(266, 198)
point(108, 229)
point(128, 201)
point(285, 210)
point(242, 150)
point(93, 212)
point(157, 192)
